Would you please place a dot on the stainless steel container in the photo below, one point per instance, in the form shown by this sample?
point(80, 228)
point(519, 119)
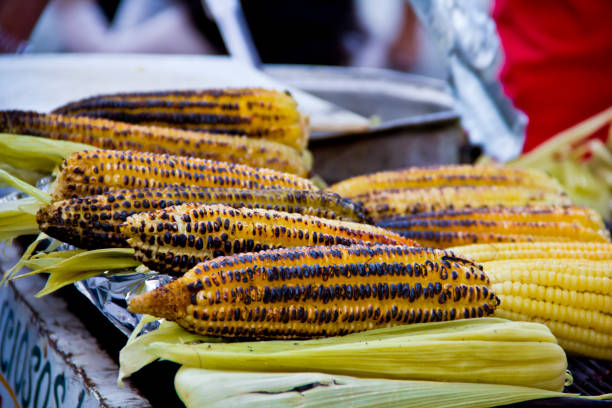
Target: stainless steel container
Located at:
point(414, 122)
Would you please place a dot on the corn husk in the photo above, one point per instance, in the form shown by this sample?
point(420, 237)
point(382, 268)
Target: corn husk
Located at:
point(485, 350)
point(211, 388)
point(18, 217)
point(66, 267)
point(36, 154)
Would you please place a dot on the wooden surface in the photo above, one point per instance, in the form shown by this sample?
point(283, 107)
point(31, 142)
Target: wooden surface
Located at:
point(66, 361)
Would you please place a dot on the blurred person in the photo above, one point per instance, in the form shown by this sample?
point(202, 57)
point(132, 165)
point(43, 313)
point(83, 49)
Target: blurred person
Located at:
point(558, 59)
point(146, 26)
point(17, 20)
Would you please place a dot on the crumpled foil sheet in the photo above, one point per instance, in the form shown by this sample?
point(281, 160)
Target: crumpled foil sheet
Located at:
point(110, 294)
point(467, 38)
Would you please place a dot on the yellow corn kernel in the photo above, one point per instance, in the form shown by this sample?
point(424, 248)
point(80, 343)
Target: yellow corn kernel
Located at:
point(552, 250)
point(390, 203)
point(93, 221)
point(447, 228)
point(320, 291)
point(107, 134)
point(96, 172)
point(257, 113)
point(445, 176)
point(174, 239)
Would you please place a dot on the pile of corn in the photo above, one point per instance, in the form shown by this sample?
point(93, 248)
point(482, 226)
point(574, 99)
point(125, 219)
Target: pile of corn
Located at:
point(209, 187)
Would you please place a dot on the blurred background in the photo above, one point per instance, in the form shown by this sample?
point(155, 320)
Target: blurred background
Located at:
point(383, 33)
point(519, 72)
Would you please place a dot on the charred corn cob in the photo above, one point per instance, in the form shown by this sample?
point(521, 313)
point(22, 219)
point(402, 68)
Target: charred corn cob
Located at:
point(321, 291)
point(107, 134)
point(391, 203)
point(573, 297)
point(175, 239)
point(258, 113)
point(595, 251)
point(444, 176)
point(93, 221)
point(96, 172)
point(442, 229)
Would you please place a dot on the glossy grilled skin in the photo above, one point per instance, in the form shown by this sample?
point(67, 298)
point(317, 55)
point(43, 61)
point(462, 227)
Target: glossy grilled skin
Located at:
point(573, 297)
point(107, 134)
point(444, 176)
point(175, 239)
point(384, 204)
point(321, 291)
point(92, 222)
point(257, 113)
point(443, 229)
point(96, 172)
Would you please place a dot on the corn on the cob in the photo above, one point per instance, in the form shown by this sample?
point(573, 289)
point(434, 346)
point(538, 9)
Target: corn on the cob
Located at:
point(321, 291)
point(175, 239)
point(93, 221)
point(258, 113)
point(107, 134)
point(96, 172)
point(389, 203)
point(445, 176)
point(595, 251)
point(573, 297)
point(443, 229)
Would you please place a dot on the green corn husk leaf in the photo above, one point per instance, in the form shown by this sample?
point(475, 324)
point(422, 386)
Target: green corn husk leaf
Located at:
point(36, 153)
point(489, 350)
point(583, 187)
point(42, 196)
point(134, 355)
point(29, 176)
point(210, 388)
point(66, 267)
point(18, 217)
point(24, 257)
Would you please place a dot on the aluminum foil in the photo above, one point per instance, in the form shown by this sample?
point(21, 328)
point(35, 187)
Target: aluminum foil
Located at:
point(110, 294)
point(467, 37)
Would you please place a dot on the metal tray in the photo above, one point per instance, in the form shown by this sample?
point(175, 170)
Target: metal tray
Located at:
point(414, 122)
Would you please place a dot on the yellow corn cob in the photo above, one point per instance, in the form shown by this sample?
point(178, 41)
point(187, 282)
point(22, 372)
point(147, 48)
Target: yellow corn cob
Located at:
point(570, 274)
point(445, 176)
point(390, 203)
point(573, 297)
point(575, 214)
point(553, 250)
point(258, 113)
point(107, 134)
point(93, 221)
point(96, 172)
point(321, 291)
point(175, 239)
point(443, 229)
point(599, 345)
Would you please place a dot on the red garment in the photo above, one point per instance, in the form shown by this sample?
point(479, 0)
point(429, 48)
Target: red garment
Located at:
point(558, 66)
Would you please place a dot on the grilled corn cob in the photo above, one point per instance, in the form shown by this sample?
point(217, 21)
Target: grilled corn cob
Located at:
point(442, 229)
point(321, 291)
point(96, 172)
point(573, 297)
point(108, 134)
point(175, 239)
point(258, 113)
point(390, 203)
point(444, 176)
point(93, 221)
point(596, 251)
